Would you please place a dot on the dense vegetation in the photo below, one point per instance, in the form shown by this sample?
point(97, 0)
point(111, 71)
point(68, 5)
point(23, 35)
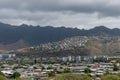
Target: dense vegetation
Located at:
point(82, 77)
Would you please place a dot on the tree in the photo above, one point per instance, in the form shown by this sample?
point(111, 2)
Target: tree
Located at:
point(107, 72)
point(49, 67)
point(15, 75)
point(51, 73)
point(67, 71)
point(115, 68)
point(87, 70)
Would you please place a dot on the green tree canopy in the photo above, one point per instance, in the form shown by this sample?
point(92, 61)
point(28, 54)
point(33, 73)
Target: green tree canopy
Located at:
point(15, 75)
point(115, 68)
point(87, 70)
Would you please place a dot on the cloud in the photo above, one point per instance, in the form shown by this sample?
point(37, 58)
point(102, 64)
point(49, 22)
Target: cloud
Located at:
point(77, 13)
point(110, 7)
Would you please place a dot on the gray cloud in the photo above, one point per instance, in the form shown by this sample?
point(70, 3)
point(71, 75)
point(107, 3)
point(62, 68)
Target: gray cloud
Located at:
point(78, 13)
point(110, 7)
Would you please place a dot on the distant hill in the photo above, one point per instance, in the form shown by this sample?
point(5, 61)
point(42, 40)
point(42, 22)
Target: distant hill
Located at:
point(34, 35)
point(79, 45)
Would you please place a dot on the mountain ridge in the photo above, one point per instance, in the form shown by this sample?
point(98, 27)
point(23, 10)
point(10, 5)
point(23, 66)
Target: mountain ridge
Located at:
point(34, 35)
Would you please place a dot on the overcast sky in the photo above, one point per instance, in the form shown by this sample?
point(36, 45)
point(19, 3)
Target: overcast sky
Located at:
point(70, 13)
